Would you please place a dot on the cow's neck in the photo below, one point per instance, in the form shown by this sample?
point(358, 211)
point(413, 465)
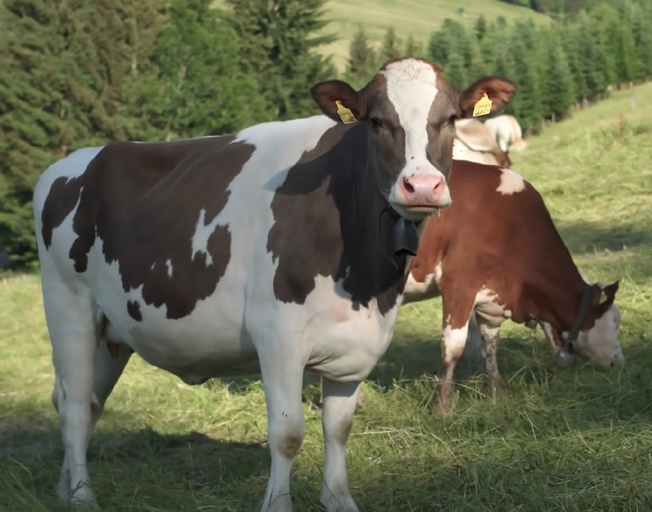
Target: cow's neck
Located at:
point(559, 303)
point(370, 266)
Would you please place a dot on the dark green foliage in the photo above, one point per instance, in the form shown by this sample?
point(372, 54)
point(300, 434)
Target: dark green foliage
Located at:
point(558, 94)
point(87, 72)
point(412, 48)
point(480, 27)
point(362, 60)
point(71, 75)
point(391, 46)
point(278, 43)
point(201, 89)
point(455, 71)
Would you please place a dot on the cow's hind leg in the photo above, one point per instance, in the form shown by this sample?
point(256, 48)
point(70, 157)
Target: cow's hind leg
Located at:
point(109, 365)
point(339, 404)
point(282, 372)
point(85, 373)
point(490, 334)
point(69, 316)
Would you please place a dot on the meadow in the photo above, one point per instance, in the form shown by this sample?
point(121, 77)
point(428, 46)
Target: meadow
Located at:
point(578, 439)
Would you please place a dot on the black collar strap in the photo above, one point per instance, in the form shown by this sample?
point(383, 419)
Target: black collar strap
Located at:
point(579, 319)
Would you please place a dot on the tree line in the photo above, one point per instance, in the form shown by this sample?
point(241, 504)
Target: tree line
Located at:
point(87, 72)
point(558, 67)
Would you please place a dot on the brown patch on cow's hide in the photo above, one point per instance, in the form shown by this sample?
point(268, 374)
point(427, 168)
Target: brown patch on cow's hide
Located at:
point(133, 308)
point(329, 221)
point(60, 202)
point(143, 201)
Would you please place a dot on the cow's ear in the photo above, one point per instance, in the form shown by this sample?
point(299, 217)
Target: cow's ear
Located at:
point(339, 101)
point(607, 293)
point(487, 96)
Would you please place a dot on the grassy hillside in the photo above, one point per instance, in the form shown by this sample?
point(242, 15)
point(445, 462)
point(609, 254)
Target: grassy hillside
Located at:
point(564, 440)
point(408, 17)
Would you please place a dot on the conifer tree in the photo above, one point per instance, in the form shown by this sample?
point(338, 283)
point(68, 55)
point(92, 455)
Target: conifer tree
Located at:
point(557, 88)
point(72, 74)
point(480, 28)
point(593, 57)
point(569, 35)
point(391, 46)
point(412, 48)
point(527, 102)
point(201, 89)
point(455, 71)
point(279, 41)
point(362, 59)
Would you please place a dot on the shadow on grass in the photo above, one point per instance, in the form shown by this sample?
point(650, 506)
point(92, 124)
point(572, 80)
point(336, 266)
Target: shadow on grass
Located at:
point(582, 237)
point(140, 465)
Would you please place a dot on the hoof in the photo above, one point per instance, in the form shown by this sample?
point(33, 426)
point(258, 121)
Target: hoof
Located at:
point(362, 398)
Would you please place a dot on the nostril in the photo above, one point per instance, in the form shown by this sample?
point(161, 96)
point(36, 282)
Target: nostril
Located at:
point(439, 184)
point(408, 186)
point(612, 364)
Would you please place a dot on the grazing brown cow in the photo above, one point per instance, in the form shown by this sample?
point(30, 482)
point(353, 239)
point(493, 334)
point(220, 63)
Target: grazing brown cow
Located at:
point(496, 253)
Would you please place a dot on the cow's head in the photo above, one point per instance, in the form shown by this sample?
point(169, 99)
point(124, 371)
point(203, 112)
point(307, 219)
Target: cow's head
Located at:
point(598, 342)
point(411, 111)
point(474, 142)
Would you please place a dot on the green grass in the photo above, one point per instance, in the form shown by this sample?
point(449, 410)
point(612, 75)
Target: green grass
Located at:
point(418, 18)
point(556, 440)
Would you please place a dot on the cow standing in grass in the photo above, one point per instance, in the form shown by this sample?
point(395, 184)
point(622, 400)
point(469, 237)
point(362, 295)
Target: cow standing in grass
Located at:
point(286, 246)
point(495, 255)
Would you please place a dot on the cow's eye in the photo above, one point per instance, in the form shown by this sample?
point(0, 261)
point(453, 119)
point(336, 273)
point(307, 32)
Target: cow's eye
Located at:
point(452, 118)
point(375, 122)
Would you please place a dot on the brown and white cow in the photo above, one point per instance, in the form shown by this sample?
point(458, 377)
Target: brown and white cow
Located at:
point(507, 132)
point(495, 254)
point(285, 246)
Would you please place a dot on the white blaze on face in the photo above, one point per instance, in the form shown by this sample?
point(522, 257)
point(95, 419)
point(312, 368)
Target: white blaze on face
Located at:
point(510, 182)
point(411, 88)
point(600, 343)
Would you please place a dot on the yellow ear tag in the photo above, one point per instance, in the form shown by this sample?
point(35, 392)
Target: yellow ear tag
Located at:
point(345, 114)
point(483, 106)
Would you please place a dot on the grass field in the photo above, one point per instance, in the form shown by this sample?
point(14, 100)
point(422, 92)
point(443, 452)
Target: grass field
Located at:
point(557, 440)
point(418, 18)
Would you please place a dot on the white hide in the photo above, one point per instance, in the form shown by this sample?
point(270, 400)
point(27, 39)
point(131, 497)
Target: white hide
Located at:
point(510, 182)
point(600, 343)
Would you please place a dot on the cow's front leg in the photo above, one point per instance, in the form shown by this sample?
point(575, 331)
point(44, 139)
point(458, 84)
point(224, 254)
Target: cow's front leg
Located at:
point(339, 402)
point(455, 331)
point(282, 373)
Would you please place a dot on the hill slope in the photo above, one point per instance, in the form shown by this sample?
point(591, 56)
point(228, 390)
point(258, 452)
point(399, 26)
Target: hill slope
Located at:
point(408, 17)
